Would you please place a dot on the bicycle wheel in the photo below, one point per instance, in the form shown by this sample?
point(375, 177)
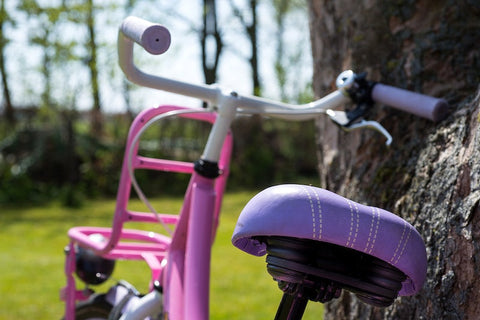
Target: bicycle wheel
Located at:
point(95, 308)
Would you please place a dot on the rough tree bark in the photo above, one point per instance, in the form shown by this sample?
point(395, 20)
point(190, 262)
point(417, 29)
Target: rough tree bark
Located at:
point(431, 174)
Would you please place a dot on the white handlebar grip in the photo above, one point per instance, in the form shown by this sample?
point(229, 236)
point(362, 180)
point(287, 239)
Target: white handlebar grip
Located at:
point(152, 37)
point(419, 104)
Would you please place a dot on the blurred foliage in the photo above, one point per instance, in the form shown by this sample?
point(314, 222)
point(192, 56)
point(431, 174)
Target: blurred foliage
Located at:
point(64, 161)
point(269, 151)
point(51, 151)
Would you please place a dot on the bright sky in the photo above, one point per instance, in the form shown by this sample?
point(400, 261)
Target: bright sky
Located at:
point(181, 62)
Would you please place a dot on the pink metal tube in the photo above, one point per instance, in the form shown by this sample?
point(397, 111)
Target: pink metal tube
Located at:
point(69, 291)
point(173, 277)
point(186, 280)
point(199, 241)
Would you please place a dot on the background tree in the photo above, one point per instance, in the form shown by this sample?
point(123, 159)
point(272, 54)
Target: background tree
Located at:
point(9, 110)
point(291, 50)
point(211, 41)
point(45, 23)
point(249, 22)
point(282, 7)
point(126, 85)
point(97, 122)
point(431, 174)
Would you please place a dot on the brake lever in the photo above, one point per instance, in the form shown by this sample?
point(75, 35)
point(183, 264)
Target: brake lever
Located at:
point(341, 119)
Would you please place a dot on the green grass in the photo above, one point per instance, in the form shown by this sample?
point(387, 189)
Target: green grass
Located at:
point(32, 262)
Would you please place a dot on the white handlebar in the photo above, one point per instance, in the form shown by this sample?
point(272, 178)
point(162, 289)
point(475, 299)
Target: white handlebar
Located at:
point(134, 29)
point(156, 39)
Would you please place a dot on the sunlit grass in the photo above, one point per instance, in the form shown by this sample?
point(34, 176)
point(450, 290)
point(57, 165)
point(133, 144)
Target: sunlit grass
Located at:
point(32, 261)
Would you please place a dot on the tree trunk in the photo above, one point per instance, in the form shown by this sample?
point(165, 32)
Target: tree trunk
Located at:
point(210, 59)
point(9, 111)
point(97, 118)
point(430, 175)
point(251, 28)
point(282, 8)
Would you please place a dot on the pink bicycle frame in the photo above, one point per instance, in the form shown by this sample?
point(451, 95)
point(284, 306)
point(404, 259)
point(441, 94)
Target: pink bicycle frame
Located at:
point(182, 263)
point(185, 278)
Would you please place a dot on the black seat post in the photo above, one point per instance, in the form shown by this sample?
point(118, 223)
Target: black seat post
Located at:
point(291, 307)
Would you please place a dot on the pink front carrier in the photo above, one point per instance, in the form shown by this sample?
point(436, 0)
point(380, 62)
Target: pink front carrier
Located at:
point(185, 277)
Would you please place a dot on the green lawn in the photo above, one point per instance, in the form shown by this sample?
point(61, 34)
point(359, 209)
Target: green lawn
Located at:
point(31, 268)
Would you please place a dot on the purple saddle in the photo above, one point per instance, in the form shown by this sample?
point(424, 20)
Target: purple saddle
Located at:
point(311, 213)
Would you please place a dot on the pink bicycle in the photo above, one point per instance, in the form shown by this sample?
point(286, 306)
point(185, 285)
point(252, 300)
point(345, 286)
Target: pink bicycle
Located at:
point(317, 243)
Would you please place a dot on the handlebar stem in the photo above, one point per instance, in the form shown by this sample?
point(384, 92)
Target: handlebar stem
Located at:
point(227, 102)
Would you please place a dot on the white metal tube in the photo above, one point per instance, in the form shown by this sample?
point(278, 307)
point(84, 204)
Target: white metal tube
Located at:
point(125, 59)
point(256, 105)
point(148, 305)
point(226, 114)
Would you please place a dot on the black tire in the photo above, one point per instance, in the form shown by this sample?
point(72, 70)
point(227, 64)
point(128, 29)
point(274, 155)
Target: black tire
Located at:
point(95, 308)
